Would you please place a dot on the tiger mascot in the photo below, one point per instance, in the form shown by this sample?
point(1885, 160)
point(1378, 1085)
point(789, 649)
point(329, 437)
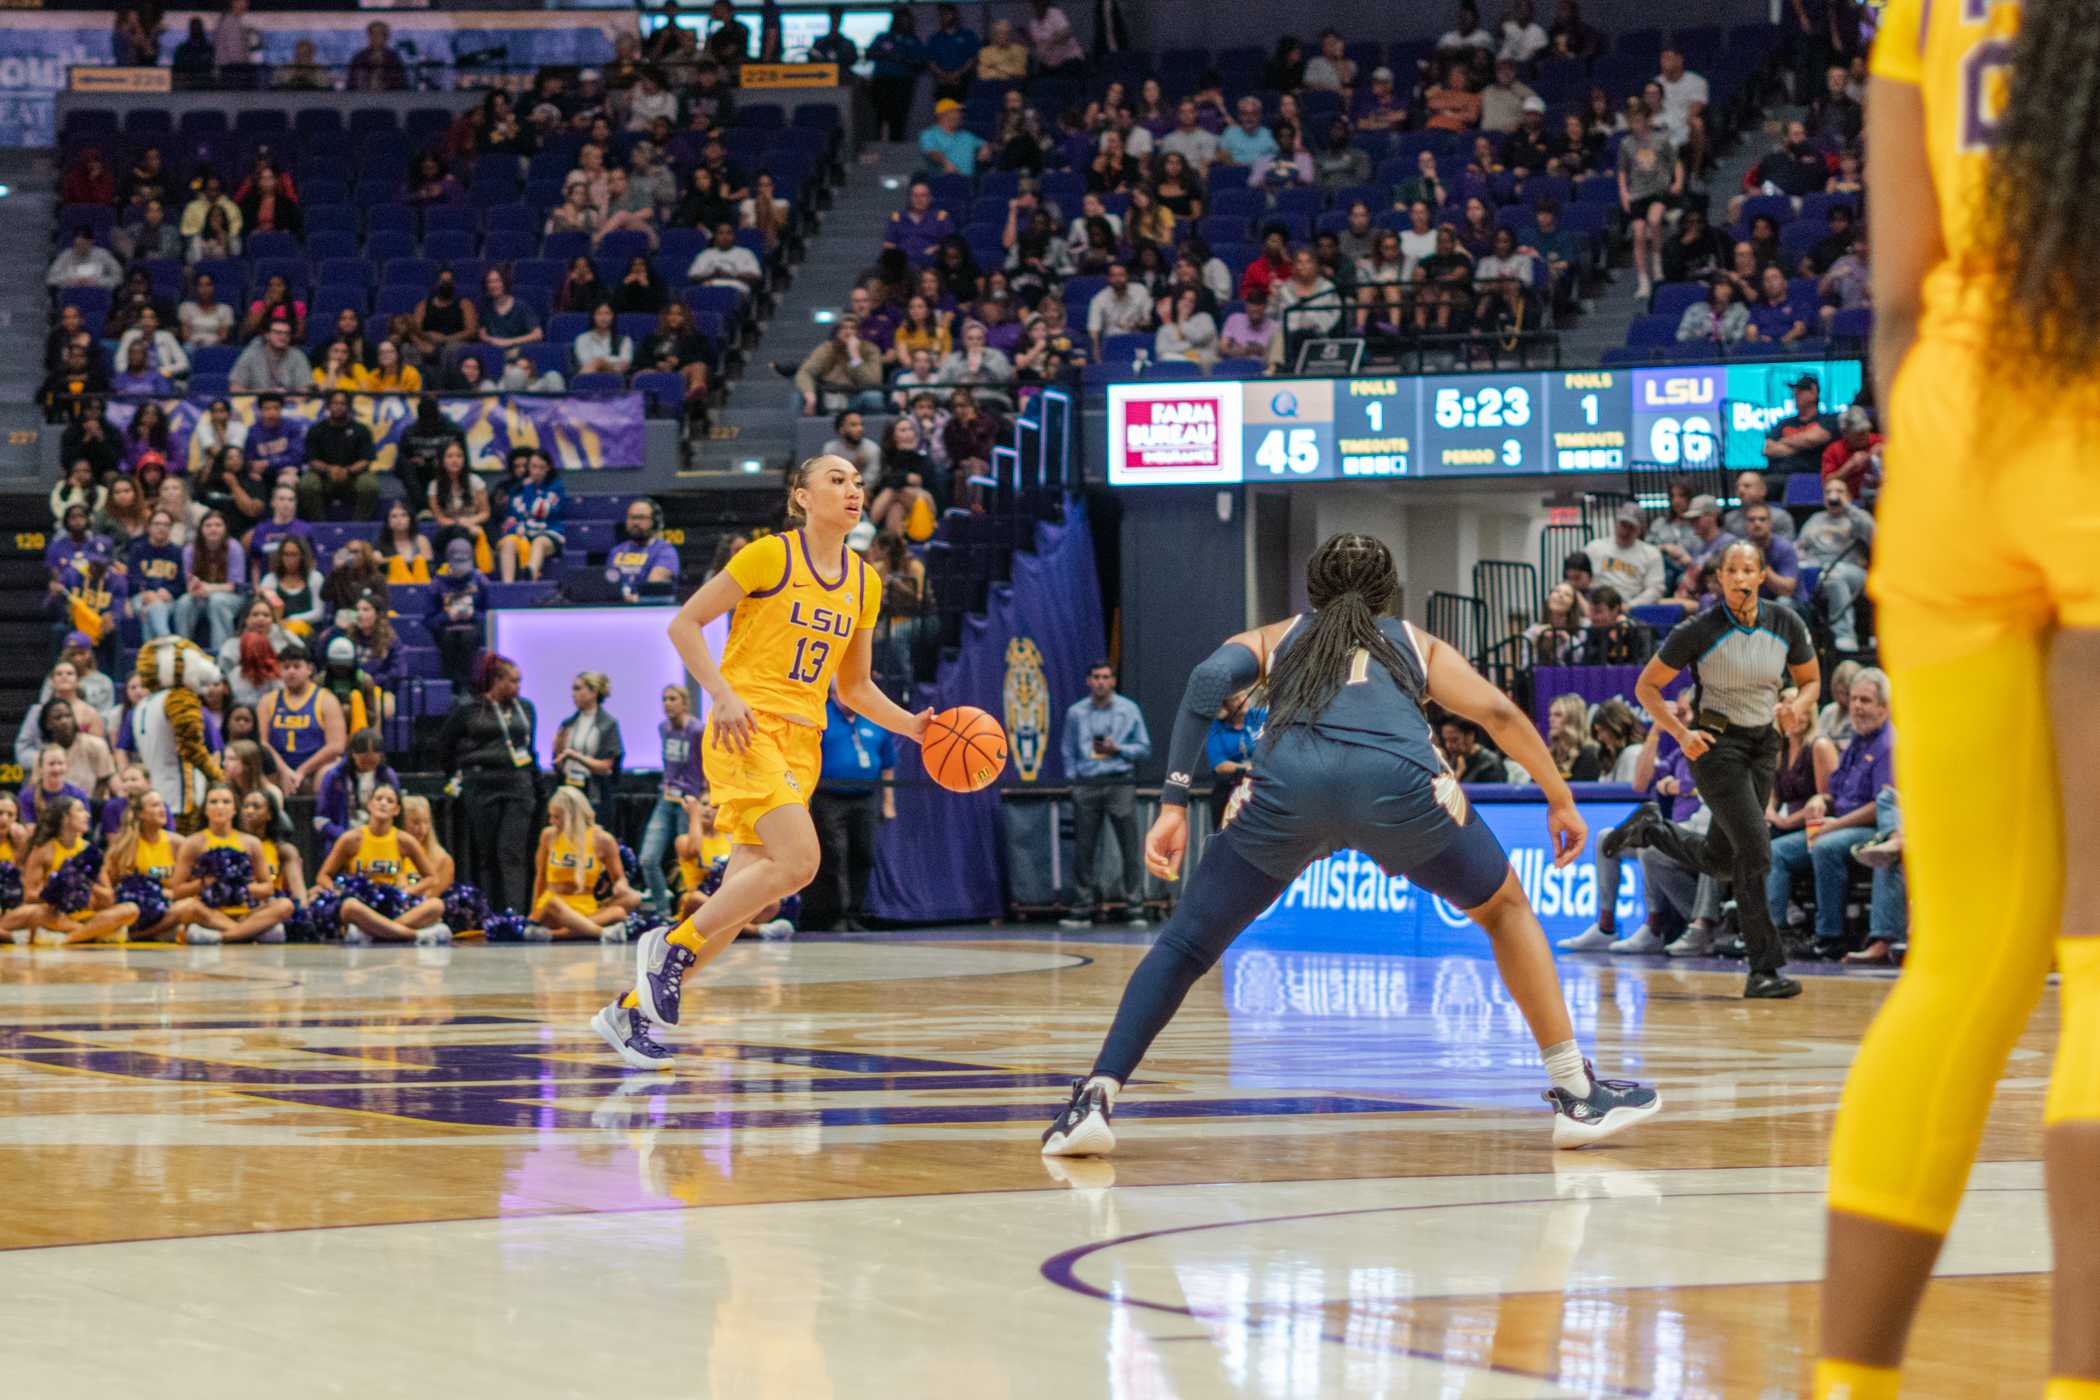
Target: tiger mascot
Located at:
point(167, 727)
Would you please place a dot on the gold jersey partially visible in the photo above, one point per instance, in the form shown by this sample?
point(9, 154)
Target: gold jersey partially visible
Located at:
point(1958, 54)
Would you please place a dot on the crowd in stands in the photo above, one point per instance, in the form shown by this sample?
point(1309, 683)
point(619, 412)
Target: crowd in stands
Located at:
point(602, 230)
point(1208, 213)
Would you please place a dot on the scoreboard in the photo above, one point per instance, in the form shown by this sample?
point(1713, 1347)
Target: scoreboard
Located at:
point(1224, 432)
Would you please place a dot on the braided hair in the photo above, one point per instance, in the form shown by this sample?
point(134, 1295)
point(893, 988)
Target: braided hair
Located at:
point(2039, 201)
point(1350, 582)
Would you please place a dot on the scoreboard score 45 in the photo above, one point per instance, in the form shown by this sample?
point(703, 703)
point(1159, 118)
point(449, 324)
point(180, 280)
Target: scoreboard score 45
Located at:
point(1187, 432)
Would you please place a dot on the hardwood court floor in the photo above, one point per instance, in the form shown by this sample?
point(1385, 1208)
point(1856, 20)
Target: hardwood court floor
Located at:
point(379, 1172)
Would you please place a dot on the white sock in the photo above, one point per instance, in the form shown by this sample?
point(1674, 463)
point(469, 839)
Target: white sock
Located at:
point(1109, 1086)
point(1565, 1068)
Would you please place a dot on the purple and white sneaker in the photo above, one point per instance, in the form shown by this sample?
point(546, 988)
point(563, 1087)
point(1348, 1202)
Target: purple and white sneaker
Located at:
point(659, 975)
point(627, 1031)
point(1610, 1108)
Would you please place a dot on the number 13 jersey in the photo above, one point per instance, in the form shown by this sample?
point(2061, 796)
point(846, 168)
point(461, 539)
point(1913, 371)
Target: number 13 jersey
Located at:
point(788, 635)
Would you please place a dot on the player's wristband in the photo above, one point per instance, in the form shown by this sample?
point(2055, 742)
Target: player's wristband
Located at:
point(1175, 791)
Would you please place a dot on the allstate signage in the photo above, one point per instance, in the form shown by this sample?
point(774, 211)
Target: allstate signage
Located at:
point(1345, 902)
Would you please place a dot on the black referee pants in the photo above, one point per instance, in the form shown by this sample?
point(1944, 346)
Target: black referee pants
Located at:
point(1734, 779)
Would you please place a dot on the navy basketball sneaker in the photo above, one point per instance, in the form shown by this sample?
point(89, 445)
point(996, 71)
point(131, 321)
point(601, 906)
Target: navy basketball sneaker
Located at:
point(659, 975)
point(1082, 1129)
point(627, 1031)
point(1610, 1108)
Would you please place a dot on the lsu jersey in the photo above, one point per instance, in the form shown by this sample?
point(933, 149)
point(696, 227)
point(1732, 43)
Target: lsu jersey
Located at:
point(1958, 54)
point(790, 631)
point(379, 858)
point(572, 871)
point(155, 859)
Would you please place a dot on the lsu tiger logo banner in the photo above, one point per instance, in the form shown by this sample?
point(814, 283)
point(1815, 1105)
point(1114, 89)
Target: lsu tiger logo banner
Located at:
point(1027, 697)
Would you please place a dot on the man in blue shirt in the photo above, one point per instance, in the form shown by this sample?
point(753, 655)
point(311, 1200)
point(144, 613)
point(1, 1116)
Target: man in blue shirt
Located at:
point(1845, 819)
point(948, 149)
point(1104, 742)
point(860, 757)
point(643, 556)
point(1249, 141)
point(951, 55)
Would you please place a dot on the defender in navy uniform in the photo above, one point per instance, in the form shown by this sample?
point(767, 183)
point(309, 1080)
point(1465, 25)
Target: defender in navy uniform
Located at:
point(1346, 760)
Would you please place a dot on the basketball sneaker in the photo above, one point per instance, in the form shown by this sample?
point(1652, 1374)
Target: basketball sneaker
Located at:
point(1641, 940)
point(1610, 1108)
point(1694, 942)
point(659, 975)
point(776, 929)
point(1082, 1129)
point(626, 1030)
point(436, 933)
point(1591, 940)
point(198, 934)
point(273, 934)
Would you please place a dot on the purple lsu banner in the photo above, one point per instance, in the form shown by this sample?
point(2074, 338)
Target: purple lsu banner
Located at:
point(1023, 659)
point(580, 433)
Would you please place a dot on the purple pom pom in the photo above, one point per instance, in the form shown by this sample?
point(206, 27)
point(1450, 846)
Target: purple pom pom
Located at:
point(466, 907)
point(227, 873)
point(506, 927)
point(72, 888)
point(147, 893)
point(10, 884)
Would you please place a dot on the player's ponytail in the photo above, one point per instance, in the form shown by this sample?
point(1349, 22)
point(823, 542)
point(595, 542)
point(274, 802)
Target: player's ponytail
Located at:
point(2042, 197)
point(798, 477)
point(1350, 581)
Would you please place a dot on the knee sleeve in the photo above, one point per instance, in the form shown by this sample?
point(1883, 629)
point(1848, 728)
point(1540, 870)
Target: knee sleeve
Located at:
point(2074, 1089)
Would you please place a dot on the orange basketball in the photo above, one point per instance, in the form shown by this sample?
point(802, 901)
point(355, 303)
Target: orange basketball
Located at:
point(964, 749)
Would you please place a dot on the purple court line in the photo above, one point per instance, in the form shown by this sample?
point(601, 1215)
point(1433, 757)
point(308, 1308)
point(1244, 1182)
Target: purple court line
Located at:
point(1062, 1269)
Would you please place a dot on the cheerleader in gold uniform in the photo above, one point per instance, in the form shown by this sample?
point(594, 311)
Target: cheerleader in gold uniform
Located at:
point(59, 838)
point(256, 910)
point(382, 853)
point(574, 849)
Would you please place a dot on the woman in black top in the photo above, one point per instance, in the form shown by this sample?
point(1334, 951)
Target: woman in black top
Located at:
point(1285, 70)
point(487, 740)
point(703, 205)
point(445, 317)
point(639, 289)
point(581, 290)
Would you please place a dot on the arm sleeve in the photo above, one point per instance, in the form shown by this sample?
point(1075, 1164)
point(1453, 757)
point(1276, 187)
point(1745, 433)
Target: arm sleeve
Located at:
point(1228, 670)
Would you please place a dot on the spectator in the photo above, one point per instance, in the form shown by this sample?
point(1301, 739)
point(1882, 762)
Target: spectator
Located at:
point(137, 377)
point(150, 235)
point(292, 587)
point(1285, 167)
point(1782, 563)
point(1848, 285)
point(390, 374)
point(587, 745)
point(1305, 304)
point(1248, 140)
point(726, 263)
point(89, 763)
point(1844, 820)
point(532, 530)
point(918, 228)
point(304, 73)
point(210, 196)
point(488, 741)
point(1795, 168)
point(458, 503)
point(1773, 318)
point(1452, 104)
point(1114, 171)
point(506, 321)
point(1835, 244)
point(1835, 114)
point(630, 207)
point(1189, 140)
point(1504, 280)
point(272, 362)
point(951, 56)
point(904, 504)
point(204, 319)
point(1531, 149)
point(93, 692)
point(337, 368)
point(1568, 739)
point(1720, 318)
point(1117, 309)
point(845, 371)
point(1466, 38)
point(1057, 49)
point(216, 570)
point(1704, 549)
point(1186, 333)
point(1612, 638)
point(1696, 252)
point(248, 659)
point(1469, 759)
point(339, 465)
point(1795, 443)
point(1685, 96)
point(88, 180)
point(1103, 742)
point(602, 349)
point(1523, 37)
point(1838, 540)
point(975, 362)
point(406, 552)
point(1855, 458)
point(376, 67)
point(852, 799)
point(850, 440)
point(1285, 70)
point(269, 207)
point(82, 264)
point(1330, 70)
point(1751, 489)
point(1503, 102)
point(1651, 177)
point(274, 440)
point(445, 318)
point(1247, 332)
point(764, 211)
point(347, 787)
point(897, 55)
point(458, 602)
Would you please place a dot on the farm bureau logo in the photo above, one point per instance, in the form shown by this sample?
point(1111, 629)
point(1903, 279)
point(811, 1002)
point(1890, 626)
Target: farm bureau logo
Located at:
point(1174, 432)
point(1027, 698)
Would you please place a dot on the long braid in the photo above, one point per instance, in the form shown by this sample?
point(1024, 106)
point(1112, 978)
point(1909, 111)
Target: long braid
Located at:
point(1349, 581)
point(2042, 196)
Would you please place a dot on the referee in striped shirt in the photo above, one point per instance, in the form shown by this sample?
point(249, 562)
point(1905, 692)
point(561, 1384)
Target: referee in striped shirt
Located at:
point(1741, 654)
